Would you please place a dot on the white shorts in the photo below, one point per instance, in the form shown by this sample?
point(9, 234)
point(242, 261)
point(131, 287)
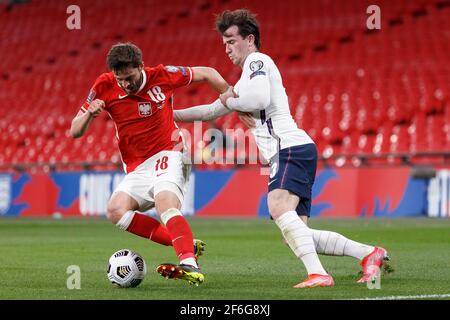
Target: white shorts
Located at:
point(165, 171)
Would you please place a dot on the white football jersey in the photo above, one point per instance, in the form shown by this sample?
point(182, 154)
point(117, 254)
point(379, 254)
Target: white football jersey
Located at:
point(275, 128)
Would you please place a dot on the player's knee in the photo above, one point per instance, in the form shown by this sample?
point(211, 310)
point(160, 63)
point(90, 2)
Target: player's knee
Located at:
point(276, 207)
point(114, 212)
point(166, 200)
point(276, 211)
point(280, 202)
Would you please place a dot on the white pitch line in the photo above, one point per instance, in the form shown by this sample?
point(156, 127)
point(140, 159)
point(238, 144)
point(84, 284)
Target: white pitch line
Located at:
point(425, 296)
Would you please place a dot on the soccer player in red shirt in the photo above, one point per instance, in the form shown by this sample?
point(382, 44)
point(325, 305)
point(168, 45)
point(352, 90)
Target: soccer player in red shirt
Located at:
point(139, 101)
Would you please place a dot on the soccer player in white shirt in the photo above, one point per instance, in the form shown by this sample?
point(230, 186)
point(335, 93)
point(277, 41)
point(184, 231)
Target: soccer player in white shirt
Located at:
point(291, 153)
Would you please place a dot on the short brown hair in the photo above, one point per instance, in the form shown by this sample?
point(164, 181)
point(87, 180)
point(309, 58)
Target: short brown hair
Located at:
point(243, 19)
point(124, 55)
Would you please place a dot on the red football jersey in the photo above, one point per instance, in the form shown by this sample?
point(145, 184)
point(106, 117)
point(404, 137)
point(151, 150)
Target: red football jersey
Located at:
point(144, 120)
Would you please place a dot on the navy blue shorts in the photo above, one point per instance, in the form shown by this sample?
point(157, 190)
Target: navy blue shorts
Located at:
point(294, 169)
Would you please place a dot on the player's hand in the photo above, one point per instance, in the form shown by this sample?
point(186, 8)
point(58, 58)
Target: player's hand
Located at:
point(247, 119)
point(227, 94)
point(96, 107)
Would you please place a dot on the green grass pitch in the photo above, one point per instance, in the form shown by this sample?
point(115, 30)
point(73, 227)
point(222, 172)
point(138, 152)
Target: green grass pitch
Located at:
point(244, 259)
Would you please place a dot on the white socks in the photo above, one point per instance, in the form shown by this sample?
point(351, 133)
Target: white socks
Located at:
point(335, 244)
point(189, 261)
point(300, 240)
point(169, 214)
point(126, 219)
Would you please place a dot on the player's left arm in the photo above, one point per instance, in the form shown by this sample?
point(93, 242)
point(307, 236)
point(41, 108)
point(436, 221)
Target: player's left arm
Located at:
point(210, 75)
point(254, 94)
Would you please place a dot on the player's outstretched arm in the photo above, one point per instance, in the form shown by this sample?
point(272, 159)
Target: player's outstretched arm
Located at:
point(255, 97)
point(205, 112)
point(210, 75)
point(82, 120)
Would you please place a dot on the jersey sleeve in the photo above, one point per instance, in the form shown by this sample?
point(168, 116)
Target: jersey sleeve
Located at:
point(178, 76)
point(256, 67)
point(236, 87)
point(255, 76)
point(97, 92)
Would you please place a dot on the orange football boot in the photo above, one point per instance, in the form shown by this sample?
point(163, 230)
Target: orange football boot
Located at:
point(372, 264)
point(316, 280)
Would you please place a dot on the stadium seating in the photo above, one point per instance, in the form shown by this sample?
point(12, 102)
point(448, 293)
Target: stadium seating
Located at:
point(353, 90)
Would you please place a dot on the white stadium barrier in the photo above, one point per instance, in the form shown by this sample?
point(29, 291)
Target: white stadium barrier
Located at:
point(439, 194)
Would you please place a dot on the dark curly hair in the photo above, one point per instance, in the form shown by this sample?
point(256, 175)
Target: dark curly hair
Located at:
point(124, 55)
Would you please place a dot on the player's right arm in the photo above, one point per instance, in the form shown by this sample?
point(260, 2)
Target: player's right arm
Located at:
point(204, 112)
point(178, 76)
point(83, 118)
point(92, 107)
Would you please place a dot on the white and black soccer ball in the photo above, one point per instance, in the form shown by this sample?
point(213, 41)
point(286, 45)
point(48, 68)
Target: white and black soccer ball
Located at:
point(126, 268)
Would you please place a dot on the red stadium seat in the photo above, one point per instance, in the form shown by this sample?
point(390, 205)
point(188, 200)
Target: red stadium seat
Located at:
point(351, 90)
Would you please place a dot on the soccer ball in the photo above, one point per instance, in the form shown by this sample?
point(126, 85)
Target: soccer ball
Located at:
point(126, 268)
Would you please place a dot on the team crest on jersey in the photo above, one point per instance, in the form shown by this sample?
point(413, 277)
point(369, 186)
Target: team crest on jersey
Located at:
point(172, 69)
point(91, 96)
point(256, 67)
point(145, 109)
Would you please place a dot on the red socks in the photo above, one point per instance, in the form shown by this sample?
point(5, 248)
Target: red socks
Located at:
point(176, 233)
point(150, 228)
point(181, 235)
